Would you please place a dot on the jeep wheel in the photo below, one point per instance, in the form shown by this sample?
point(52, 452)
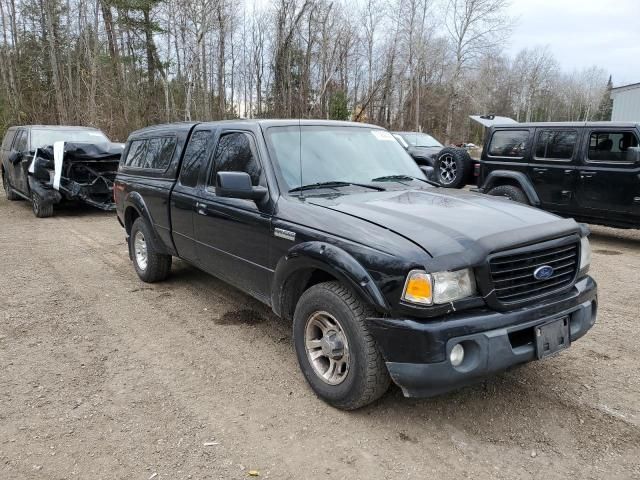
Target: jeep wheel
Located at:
point(41, 208)
point(514, 194)
point(451, 167)
point(11, 195)
point(337, 354)
point(151, 266)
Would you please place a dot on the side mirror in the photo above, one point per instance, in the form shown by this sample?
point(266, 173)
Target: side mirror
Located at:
point(238, 185)
point(14, 157)
point(633, 154)
point(428, 171)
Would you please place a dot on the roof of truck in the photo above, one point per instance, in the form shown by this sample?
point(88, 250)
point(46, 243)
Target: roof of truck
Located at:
point(265, 123)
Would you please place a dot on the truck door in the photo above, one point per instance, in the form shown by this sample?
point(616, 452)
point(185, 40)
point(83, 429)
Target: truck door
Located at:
point(552, 169)
point(608, 177)
point(233, 235)
point(18, 170)
point(185, 194)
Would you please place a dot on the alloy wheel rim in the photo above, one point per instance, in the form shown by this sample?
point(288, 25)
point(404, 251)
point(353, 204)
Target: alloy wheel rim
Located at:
point(140, 250)
point(448, 169)
point(327, 348)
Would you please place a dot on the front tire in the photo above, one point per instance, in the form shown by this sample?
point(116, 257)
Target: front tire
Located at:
point(41, 208)
point(11, 195)
point(151, 265)
point(511, 192)
point(452, 167)
point(336, 352)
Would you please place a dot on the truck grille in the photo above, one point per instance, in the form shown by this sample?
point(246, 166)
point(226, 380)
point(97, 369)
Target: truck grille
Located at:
point(513, 274)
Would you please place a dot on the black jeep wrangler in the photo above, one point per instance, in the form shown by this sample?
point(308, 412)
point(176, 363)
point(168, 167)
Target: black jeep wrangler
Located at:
point(588, 171)
point(383, 276)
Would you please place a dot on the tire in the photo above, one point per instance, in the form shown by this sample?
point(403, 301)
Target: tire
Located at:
point(41, 208)
point(360, 377)
point(452, 167)
point(151, 265)
point(511, 192)
point(11, 195)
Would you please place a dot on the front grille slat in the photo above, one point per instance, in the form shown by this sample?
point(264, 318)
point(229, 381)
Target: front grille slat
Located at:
point(512, 274)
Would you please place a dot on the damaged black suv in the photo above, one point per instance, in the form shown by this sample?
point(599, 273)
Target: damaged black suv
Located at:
point(383, 275)
point(49, 164)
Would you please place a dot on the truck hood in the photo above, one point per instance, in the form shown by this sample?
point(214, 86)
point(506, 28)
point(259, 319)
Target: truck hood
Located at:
point(452, 224)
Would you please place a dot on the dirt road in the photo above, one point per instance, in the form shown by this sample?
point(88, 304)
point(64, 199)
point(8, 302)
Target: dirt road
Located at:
point(103, 376)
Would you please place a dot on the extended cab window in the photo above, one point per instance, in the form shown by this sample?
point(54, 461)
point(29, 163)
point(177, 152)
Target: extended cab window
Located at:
point(556, 144)
point(194, 157)
point(136, 155)
point(509, 143)
point(236, 153)
point(612, 146)
point(151, 154)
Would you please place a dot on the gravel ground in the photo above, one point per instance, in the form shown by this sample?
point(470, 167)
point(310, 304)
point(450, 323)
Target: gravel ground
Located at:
point(106, 377)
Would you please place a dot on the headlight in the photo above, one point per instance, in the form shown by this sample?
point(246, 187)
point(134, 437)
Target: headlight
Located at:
point(440, 287)
point(585, 254)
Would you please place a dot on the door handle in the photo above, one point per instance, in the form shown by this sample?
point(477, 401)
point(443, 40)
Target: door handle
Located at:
point(201, 208)
point(587, 174)
point(568, 172)
point(636, 200)
point(539, 170)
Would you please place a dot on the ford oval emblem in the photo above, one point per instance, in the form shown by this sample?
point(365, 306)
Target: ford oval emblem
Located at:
point(543, 273)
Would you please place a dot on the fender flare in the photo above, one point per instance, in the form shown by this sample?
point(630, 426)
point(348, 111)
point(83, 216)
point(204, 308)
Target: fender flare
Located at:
point(317, 255)
point(134, 200)
point(518, 177)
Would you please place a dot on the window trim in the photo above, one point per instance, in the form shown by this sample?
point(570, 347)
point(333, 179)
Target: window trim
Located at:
point(510, 130)
point(146, 140)
point(614, 130)
point(576, 145)
point(211, 162)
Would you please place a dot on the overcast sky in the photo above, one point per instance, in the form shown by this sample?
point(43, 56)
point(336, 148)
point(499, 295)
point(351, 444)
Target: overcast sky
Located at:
point(582, 33)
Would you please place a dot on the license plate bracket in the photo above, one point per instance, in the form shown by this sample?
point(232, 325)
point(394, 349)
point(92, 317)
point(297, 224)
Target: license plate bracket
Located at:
point(552, 337)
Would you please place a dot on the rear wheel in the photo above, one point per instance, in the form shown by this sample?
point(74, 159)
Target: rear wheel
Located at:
point(151, 265)
point(337, 354)
point(452, 167)
point(41, 208)
point(11, 195)
point(511, 192)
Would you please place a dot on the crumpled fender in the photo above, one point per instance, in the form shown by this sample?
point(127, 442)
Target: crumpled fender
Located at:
point(331, 259)
point(47, 194)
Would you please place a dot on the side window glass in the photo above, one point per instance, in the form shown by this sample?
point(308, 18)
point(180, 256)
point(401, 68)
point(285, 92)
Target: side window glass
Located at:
point(556, 144)
point(195, 156)
point(8, 140)
point(509, 143)
point(236, 153)
point(612, 146)
point(136, 156)
point(20, 144)
point(159, 153)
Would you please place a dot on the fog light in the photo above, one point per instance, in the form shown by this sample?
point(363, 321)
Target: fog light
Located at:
point(457, 355)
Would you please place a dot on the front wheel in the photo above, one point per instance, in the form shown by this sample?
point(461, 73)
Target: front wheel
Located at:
point(151, 265)
point(337, 354)
point(511, 192)
point(41, 208)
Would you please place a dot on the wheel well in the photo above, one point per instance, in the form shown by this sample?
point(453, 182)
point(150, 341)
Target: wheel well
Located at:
point(130, 216)
point(498, 182)
point(296, 285)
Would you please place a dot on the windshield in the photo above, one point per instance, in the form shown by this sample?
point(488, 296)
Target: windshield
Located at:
point(342, 154)
point(42, 137)
point(421, 140)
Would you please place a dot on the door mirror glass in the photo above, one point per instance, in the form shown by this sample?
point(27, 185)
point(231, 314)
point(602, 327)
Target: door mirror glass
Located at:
point(238, 185)
point(633, 154)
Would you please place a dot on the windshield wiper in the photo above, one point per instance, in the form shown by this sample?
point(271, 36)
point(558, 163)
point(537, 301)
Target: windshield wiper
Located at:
point(334, 184)
point(391, 178)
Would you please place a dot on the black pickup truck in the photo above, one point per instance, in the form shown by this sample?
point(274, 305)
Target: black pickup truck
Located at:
point(383, 275)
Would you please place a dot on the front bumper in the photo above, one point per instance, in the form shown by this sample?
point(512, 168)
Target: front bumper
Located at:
point(417, 352)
